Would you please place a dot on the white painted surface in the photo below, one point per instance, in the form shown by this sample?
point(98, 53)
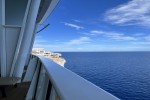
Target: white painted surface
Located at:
point(20, 39)
point(32, 87)
point(0, 31)
point(49, 10)
point(12, 34)
point(41, 95)
point(30, 70)
point(3, 43)
point(27, 38)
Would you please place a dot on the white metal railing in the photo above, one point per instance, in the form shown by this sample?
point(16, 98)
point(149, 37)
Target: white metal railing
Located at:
point(50, 81)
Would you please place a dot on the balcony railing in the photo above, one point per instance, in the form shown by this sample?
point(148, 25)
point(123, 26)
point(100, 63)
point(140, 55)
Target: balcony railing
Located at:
point(50, 81)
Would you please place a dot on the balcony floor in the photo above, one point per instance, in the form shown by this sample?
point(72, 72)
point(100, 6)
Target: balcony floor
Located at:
point(16, 93)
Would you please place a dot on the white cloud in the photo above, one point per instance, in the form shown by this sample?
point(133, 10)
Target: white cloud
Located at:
point(72, 45)
point(97, 32)
point(147, 38)
point(135, 12)
point(139, 34)
point(78, 21)
point(81, 40)
point(144, 43)
point(42, 43)
point(55, 47)
point(39, 40)
point(77, 27)
point(80, 49)
point(112, 35)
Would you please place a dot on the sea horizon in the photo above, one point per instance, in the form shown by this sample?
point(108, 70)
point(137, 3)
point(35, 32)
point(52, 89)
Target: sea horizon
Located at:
point(123, 74)
point(100, 51)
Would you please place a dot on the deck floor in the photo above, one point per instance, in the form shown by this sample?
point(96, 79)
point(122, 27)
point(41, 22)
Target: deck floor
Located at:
point(16, 93)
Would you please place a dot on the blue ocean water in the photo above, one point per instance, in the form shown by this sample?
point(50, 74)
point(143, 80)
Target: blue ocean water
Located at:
point(124, 74)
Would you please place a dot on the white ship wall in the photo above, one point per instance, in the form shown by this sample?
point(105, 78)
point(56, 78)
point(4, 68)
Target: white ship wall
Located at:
point(19, 20)
point(12, 35)
point(11, 26)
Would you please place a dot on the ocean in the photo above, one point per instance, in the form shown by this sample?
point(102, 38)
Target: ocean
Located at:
point(123, 74)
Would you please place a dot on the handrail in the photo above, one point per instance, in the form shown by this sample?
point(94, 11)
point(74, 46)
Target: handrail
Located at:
point(70, 86)
point(12, 26)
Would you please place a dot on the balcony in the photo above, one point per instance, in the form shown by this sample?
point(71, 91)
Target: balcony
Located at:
point(45, 80)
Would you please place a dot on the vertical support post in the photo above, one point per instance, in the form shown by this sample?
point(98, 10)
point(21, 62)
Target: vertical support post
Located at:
point(3, 41)
point(48, 90)
point(42, 86)
point(2, 88)
point(31, 45)
point(27, 38)
point(53, 95)
point(20, 38)
point(33, 86)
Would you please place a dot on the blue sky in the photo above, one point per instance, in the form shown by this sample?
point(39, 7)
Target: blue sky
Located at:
point(97, 25)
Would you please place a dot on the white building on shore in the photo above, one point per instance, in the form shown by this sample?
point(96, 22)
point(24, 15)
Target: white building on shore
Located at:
point(56, 57)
